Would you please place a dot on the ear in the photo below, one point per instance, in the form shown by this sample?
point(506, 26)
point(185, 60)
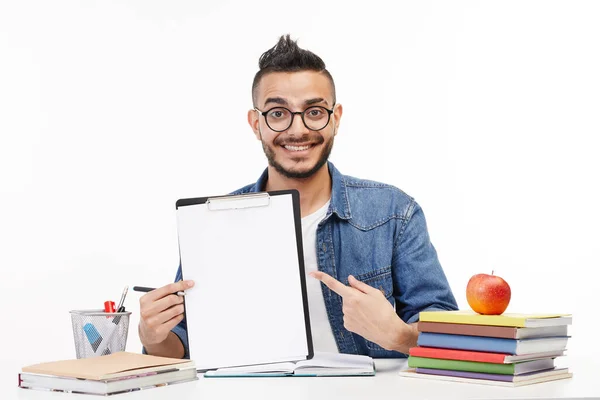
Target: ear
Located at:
point(253, 121)
point(337, 116)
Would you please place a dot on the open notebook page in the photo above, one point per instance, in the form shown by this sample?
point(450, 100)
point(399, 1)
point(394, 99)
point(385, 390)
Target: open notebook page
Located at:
point(333, 360)
point(320, 360)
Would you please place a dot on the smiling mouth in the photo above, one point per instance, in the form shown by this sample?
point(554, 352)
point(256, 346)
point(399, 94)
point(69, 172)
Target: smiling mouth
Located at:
point(290, 147)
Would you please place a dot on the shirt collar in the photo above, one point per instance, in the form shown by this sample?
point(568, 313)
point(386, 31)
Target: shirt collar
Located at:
point(339, 194)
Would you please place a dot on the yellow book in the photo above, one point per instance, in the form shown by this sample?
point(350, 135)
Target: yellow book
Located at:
point(507, 319)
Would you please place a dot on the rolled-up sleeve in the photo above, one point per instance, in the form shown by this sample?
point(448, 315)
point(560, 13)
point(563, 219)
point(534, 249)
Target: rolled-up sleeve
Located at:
point(419, 280)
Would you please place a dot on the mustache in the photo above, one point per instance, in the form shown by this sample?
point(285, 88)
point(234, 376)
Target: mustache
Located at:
point(316, 139)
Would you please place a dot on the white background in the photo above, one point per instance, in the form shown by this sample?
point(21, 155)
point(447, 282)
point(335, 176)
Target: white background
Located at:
point(110, 111)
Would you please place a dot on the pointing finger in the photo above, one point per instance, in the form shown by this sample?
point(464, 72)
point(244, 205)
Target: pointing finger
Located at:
point(363, 287)
point(332, 283)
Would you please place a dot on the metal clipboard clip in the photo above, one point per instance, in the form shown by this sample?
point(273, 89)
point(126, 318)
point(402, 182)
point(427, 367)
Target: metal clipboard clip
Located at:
point(238, 201)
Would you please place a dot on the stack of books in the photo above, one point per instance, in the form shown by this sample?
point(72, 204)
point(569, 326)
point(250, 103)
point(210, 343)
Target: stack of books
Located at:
point(505, 350)
point(115, 373)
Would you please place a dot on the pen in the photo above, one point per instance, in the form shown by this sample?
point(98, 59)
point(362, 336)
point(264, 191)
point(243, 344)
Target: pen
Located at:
point(149, 289)
point(104, 347)
point(122, 300)
point(120, 308)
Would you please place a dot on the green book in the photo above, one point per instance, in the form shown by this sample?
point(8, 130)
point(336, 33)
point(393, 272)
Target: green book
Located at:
point(473, 366)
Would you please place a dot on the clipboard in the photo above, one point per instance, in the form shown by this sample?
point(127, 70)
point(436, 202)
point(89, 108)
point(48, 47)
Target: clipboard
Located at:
point(249, 303)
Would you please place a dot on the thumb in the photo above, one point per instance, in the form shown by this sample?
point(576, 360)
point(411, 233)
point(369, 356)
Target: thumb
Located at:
point(356, 284)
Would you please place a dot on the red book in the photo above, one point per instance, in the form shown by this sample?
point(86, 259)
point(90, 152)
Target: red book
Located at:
point(478, 356)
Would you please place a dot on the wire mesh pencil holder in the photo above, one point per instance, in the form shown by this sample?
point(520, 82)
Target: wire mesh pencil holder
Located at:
point(97, 333)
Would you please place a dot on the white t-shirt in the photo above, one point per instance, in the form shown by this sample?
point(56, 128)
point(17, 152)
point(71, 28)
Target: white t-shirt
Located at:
point(322, 336)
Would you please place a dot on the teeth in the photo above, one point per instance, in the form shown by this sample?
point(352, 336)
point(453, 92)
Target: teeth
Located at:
point(297, 148)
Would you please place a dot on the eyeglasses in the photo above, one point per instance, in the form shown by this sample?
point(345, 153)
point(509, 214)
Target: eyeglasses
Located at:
point(280, 119)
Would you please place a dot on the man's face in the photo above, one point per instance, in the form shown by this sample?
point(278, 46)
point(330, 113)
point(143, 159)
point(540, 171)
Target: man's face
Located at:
point(297, 152)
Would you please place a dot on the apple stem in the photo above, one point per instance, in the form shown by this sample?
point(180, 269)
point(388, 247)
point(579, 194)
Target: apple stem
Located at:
point(492, 272)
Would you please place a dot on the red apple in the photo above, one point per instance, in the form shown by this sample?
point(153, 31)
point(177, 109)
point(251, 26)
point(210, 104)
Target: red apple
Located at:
point(488, 294)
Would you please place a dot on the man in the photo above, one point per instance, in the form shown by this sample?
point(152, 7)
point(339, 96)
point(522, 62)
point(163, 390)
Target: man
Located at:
point(366, 243)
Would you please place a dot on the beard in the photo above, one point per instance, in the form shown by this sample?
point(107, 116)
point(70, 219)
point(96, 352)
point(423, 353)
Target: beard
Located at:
point(299, 174)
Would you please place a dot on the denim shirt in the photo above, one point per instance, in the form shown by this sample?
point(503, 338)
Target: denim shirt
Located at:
point(378, 234)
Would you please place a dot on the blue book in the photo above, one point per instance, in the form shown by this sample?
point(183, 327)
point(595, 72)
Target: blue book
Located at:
point(492, 345)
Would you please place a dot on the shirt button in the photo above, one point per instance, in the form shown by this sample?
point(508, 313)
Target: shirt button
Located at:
point(324, 247)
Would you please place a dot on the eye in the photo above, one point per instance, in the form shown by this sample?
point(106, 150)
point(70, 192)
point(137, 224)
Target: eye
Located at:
point(315, 114)
point(277, 113)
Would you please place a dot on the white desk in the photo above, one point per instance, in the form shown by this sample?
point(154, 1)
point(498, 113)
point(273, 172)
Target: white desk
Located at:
point(385, 385)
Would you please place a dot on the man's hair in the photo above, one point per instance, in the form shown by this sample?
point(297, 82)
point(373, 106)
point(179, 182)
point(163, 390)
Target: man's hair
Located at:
point(287, 56)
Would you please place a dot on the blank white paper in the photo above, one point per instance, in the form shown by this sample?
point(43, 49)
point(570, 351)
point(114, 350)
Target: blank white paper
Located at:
point(247, 303)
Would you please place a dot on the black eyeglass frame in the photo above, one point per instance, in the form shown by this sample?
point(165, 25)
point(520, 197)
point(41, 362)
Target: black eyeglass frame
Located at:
point(293, 114)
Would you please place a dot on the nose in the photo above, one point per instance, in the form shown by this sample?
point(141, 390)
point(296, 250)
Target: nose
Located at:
point(297, 127)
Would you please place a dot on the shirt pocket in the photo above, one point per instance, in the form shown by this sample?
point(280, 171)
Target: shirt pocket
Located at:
point(379, 279)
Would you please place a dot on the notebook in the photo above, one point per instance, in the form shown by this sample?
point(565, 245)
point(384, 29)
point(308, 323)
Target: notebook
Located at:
point(322, 364)
point(110, 374)
point(107, 386)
